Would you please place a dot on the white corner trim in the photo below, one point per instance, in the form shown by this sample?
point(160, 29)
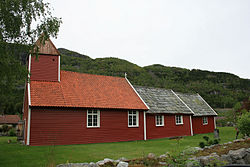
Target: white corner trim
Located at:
point(207, 104)
point(28, 128)
point(29, 99)
point(191, 126)
point(137, 93)
point(29, 68)
point(59, 63)
point(182, 101)
point(145, 126)
point(214, 123)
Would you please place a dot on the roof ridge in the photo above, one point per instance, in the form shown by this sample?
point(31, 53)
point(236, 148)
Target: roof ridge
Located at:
point(183, 102)
point(152, 87)
point(81, 73)
point(187, 93)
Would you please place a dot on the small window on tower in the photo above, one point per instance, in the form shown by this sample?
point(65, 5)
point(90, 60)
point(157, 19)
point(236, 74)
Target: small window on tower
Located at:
point(53, 59)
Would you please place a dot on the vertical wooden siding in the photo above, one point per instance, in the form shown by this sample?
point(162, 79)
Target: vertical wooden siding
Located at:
point(62, 127)
point(198, 126)
point(45, 68)
point(170, 129)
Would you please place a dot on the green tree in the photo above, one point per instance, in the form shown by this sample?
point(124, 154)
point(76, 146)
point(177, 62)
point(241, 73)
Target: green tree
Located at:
point(21, 23)
point(243, 124)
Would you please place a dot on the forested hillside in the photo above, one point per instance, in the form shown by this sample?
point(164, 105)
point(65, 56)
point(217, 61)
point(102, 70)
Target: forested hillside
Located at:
point(218, 89)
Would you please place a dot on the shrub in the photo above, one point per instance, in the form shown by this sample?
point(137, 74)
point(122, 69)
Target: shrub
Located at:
point(206, 138)
point(12, 132)
point(243, 124)
point(5, 128)
point(202, 145)
point(210, 142)
point(216, 141)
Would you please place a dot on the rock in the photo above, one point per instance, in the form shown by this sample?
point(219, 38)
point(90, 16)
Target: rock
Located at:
point(162, 163)
point(122, 164)
point(74, 165)
point(192, 162)
point(100, 163)
point(198, 148)
point(238, 140)
point(123, 159)
point(204, 160)
point(192, 150)
point(117, 161)
point(229, 142)
point(92, 164)
point(163, 156)
point(60, 165)
point(109, 164)
point(226, 158)
point(248, 150)
point(240, 161)
point(247, 157)
point(237, 154)
point(151, 156)
point(106, 160)
point(214, 155)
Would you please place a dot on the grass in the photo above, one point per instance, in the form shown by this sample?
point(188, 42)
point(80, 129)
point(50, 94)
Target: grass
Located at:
point(15, 154)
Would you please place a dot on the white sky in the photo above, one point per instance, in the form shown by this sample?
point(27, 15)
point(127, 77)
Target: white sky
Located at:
point(209, 35)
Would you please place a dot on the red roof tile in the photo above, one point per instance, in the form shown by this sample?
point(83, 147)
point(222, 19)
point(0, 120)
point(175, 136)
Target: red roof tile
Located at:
point(85, 90)
point(9, 119)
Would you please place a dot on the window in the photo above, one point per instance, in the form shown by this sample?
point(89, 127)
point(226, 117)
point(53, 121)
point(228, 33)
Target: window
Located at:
point(204, 120)
point(178, 119)
point(159, 120)
point(133, 119)
point(93, 118)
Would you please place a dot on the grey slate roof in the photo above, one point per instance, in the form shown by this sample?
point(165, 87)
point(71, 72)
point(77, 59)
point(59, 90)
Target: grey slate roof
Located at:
point(197, 104)
point(162, 100)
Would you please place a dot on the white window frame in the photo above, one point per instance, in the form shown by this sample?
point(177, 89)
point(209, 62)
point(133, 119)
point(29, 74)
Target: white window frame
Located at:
point(131, 113)
point(98, 118)
point(161, 120)
point(204, 120)
point(179, 121)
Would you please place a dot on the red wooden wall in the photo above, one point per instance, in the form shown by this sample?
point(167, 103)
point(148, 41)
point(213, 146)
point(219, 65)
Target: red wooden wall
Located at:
point(44, 68)
point(170, 129)
point(62, 127)
point(25, 113)
point(198, 126)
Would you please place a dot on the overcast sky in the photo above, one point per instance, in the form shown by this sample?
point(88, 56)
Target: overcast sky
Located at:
point(210, 35)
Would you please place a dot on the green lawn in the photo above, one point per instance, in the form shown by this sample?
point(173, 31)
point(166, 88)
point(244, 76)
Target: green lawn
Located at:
point(15, 154)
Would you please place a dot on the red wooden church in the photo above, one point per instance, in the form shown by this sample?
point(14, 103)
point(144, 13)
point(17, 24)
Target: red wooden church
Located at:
point(62, 107)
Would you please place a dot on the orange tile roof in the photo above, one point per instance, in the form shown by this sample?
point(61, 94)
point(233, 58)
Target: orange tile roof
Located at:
point(9, 119)
point(85, 90)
